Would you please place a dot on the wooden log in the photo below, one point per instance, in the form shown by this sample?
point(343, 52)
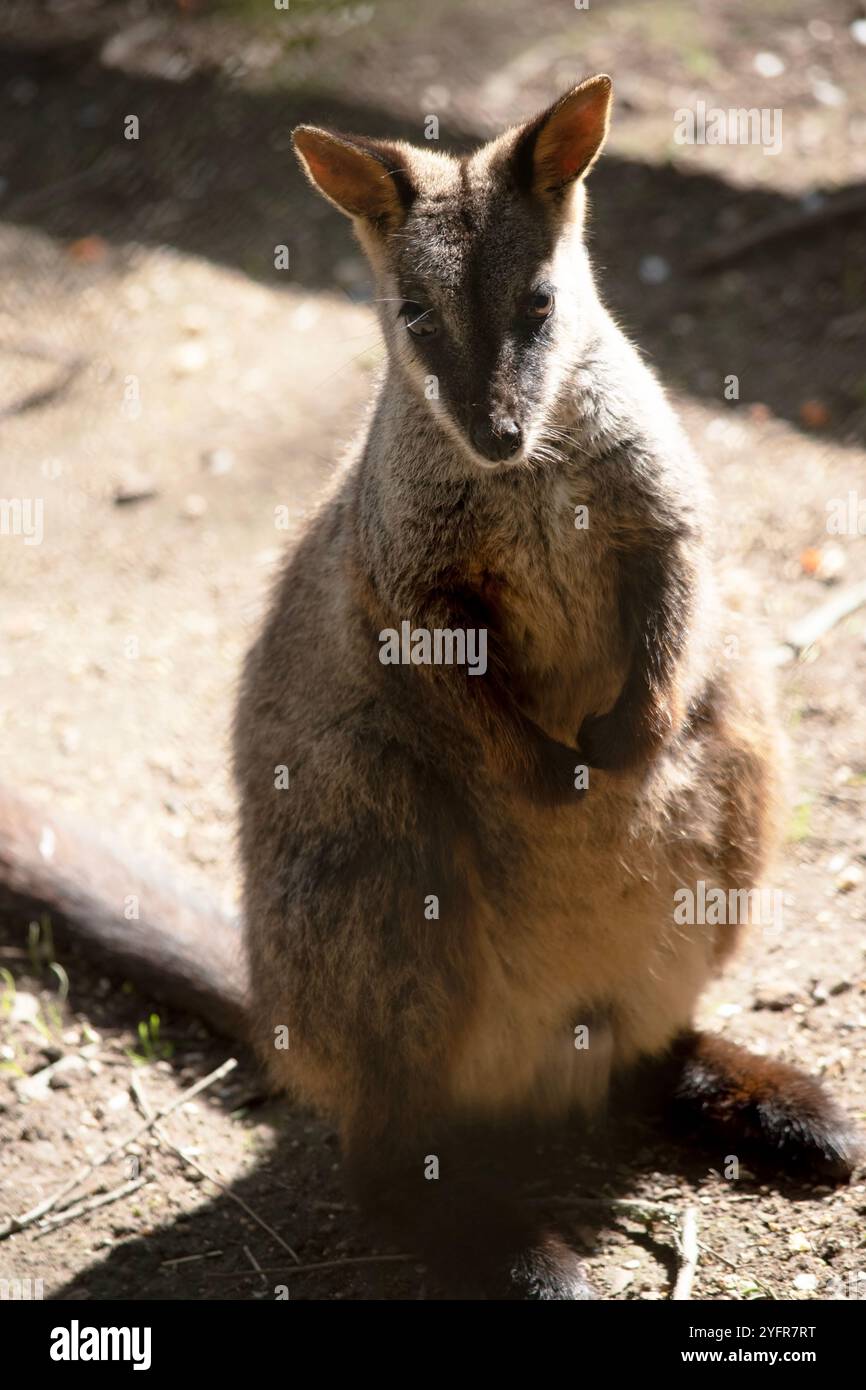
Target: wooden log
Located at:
point(182, 947)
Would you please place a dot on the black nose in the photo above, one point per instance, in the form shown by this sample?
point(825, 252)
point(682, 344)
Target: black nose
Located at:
point(497, 438)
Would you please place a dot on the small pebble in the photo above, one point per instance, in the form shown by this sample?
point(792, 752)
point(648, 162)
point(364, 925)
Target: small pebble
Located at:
point(768, 65)
point(194, 506)
point(25, 1008)
point(850, 878)
point(187, 358)
point(827, 93)
point(134, 487)
point(218, 462)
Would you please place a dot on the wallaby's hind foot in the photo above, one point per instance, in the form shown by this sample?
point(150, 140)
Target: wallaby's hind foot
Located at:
point(518, 1264)
point(478, 1241)
point(548, 1269)
point(762, 1109)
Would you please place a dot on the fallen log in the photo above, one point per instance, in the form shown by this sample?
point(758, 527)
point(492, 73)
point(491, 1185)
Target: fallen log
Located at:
point(137, 921)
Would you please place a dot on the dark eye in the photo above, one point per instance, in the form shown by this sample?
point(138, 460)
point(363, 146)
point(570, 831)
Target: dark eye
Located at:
point(539, 304)
point(420, 322)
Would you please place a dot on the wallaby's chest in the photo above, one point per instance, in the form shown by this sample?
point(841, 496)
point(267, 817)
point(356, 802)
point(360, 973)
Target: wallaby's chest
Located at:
point(550, 578)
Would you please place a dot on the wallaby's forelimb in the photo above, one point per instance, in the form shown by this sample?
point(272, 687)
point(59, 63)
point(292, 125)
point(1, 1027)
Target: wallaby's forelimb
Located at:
point(522, 753)
point(655, 599)
point(138, 924)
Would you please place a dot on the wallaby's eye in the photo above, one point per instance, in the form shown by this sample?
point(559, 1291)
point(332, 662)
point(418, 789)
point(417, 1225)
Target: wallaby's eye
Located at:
point(420, 322)
point(539, 304)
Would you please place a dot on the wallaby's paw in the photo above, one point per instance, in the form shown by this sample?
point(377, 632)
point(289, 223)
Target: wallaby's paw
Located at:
point(612, 742)
point(597, 742)
point(627, 735)
point(546, 1270)
point(778, 1114)
point(550, 1270)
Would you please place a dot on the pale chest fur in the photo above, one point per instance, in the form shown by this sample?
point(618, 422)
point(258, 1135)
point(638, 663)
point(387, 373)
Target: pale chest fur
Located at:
point(590, 942)
point(558, 607)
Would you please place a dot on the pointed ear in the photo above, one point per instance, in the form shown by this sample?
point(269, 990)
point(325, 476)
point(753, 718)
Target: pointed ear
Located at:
point(363, 178)
point(562, 144)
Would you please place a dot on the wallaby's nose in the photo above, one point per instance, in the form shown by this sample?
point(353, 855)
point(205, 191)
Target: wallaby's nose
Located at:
point(497, 438)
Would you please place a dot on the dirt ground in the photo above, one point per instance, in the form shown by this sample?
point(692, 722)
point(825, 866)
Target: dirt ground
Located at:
point(177, 403)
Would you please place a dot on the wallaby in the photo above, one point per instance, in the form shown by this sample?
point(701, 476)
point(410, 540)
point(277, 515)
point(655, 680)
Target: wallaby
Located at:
point(489, 735)
point(452, 866)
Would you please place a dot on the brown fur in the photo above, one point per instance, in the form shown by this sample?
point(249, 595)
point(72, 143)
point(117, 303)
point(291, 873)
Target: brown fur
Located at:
point(605, 648)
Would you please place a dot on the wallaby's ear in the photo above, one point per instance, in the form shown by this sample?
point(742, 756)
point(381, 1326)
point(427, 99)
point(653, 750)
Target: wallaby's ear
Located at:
point(363, 178)
point(562, 144)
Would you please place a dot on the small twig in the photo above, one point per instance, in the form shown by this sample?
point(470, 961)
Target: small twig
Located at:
point(255, 1264)
point(730, 248)
point(18, 1223)
point(632, 1205)
point(138, 1092)
point(815, 624)
point(688, 1243)
point(627, 1205)
point(92, 1203)
point(732, 1264)
point(189, 1259)
point(69, 367)
point(321, 1264)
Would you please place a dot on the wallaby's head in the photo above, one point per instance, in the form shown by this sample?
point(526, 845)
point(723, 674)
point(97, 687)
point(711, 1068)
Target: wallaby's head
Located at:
point(483, 282)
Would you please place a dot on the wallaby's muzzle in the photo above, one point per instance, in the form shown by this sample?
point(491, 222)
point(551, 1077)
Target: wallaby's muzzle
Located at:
point(495, 437)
